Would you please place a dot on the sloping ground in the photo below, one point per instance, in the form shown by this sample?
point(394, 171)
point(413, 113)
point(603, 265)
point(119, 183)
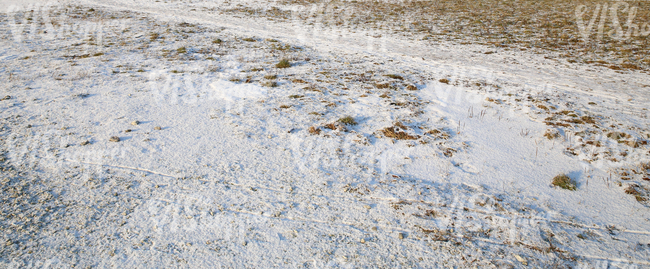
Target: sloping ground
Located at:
point(363, 152)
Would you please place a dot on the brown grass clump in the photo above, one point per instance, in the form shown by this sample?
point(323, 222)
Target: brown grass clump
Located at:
point(284, 63)
point(411, 88)
point(588, 119)
point(347, 120)
point(314, 130)
point(439, 134)
point(393, 76)
point(565, 182)
point(633, 190)
point(382, 85)
point(399, 135)
point(617, 135)
point(444, 80)
point(552, 134)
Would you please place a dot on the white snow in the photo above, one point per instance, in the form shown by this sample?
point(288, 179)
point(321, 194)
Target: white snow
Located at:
point(234, 177)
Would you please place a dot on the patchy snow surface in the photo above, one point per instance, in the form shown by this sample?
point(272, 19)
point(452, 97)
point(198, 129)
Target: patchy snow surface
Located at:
point(222, 159)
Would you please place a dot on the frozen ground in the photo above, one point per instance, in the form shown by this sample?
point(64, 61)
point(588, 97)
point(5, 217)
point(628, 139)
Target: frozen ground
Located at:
point(222, 159)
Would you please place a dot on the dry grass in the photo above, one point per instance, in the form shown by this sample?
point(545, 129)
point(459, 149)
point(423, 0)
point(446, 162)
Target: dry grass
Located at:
point(565, 182)
point(382, 85)
point(270, 84)
point(440, 134)
point(330, 126)
point(392, 132)
point(552, 134)
point(284, 63)
point(634, 191)
point(314, 130)
point(545, 25)
point(393, 76)
point(347, 120)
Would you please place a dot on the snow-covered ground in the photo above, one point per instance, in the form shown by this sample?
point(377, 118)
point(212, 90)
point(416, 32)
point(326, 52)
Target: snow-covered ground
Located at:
point(162, 134)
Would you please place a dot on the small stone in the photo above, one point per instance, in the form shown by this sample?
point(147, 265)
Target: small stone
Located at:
point(7, 97)
point(401, 235)
point(114, 139)
point(367, 206)
point(128, 130)
point(157, 128)
point(363, 241)
point(270, 137)
point(29, 126)
point(374, 228)
point(135, 122)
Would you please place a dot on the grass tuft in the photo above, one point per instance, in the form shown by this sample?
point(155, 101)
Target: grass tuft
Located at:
point(270, 84)
point(393, 76)
point(399, 135)
point(284, 63)
point(347, 120)
point(565, 182)
point(314, 130)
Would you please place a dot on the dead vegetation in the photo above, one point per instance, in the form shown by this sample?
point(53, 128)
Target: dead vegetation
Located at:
point(284, 63)
point(314, 130)
point(398, 131)
point(439, 134)
point(552, 134)
point(348, 120)
point(550, 25)
point(565, 182)
point(639, 193)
